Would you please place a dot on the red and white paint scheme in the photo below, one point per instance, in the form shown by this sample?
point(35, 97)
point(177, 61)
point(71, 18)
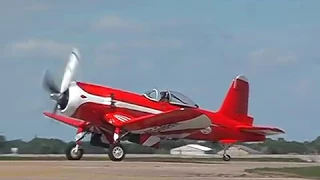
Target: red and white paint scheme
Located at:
point(113, 115)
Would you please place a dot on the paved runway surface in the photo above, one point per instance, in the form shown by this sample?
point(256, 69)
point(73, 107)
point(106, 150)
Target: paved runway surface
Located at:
point(315, 158)
point(102, 170)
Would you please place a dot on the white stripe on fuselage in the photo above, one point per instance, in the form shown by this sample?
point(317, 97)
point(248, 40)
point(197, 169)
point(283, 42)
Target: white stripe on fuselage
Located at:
point(122, 118)
point(130, 106)
point(75, 101)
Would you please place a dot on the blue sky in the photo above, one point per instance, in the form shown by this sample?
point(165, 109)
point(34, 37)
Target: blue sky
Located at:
point(195, 47)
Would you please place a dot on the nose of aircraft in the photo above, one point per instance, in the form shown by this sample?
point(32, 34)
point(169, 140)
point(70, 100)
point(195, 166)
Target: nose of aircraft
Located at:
point(61, 99)
point(61, 94)
point(71, 100)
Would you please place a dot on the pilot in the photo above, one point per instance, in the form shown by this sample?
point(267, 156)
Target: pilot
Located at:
point(164, 96)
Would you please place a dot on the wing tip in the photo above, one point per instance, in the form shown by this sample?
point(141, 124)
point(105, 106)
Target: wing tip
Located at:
point(256, 129)
point(46, 113)
point(282, 131)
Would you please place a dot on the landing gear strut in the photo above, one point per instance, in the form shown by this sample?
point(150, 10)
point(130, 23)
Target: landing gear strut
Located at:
point(226, 157)
point(74, 151)
point(116, 151)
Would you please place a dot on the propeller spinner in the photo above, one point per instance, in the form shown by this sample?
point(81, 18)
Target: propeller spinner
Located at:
point(61, 95)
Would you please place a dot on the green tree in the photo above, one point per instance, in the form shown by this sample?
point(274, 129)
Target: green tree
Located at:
point(2, 141)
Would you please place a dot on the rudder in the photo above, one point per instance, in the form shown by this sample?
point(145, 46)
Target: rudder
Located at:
point(235, 104)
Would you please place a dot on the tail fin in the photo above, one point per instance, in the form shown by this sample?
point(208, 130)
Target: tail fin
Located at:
point(235, 104)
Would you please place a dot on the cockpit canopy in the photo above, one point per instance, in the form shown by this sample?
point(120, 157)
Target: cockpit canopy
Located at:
point(173, 97)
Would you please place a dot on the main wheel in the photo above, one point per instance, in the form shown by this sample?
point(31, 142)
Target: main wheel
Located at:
point(226, 157)
point(116, 152)
point(71, 153)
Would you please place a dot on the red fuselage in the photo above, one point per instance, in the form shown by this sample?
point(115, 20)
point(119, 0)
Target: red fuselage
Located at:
point(135, 105)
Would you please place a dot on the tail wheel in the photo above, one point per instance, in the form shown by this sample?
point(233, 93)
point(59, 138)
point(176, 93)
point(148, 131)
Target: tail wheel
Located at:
point(72, 153)
point(116, 152)
point(226, 157)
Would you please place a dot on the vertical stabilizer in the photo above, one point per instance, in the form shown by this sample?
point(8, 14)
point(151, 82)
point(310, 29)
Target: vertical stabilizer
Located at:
point(235, 104)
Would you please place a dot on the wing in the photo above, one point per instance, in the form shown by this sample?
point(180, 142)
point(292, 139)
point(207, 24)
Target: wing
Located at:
point(170, 122)
point(261, 130)
point(65, 119)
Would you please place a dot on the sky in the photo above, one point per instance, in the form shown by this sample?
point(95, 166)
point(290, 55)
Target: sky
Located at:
point(195, 47)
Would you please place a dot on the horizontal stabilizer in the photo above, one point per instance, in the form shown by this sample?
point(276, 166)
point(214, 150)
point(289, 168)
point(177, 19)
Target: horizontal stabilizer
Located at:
point(65, 119)
point(261, 130)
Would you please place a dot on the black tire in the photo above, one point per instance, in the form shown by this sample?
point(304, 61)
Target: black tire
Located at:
point(226, 157)
point(71, 155)
point(116, 152)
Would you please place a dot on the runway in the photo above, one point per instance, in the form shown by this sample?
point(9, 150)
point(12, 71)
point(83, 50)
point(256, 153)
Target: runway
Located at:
point(315, 158)
point(102, 170)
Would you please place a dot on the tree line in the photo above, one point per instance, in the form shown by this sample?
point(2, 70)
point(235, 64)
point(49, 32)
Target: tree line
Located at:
point(57, 146)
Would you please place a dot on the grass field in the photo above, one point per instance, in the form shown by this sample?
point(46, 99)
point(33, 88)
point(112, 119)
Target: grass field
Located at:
point(302, 172)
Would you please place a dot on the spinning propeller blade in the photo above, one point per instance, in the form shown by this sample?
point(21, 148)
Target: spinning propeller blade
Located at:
point(61, 95)
point(70, 70)
point(49, 83)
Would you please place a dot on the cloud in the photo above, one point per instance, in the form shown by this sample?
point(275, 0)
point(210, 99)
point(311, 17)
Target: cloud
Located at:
point(302, 88)
point(272, 57)
point(38, 47)
point(21, 7)
point(304, 85)
point(144, 65)
point(36, 7)
point(113, 53)
point(143, 44)
point(111, 23)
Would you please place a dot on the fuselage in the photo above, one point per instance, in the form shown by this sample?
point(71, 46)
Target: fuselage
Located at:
point(91, 103)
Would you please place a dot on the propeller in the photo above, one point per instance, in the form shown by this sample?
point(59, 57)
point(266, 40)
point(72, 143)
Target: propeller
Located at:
point(61, 94)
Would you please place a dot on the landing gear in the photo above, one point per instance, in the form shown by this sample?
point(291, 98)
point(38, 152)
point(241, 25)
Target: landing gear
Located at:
point(116, 152)
point(226, 157)
point(74, 152)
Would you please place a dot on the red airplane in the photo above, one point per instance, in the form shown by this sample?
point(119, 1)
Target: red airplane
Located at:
point(114, 115)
